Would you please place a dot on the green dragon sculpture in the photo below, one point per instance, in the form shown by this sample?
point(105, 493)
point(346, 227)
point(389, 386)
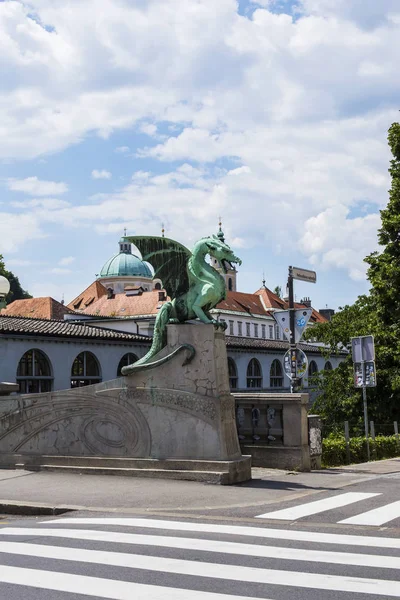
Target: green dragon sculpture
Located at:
point(193, 285)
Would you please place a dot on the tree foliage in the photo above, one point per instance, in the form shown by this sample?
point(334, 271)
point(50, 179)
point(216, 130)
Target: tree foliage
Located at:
point(16, 291)
point(377, 313)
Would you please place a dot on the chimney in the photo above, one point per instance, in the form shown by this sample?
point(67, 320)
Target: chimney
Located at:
point(306, 301)
point(327, 313)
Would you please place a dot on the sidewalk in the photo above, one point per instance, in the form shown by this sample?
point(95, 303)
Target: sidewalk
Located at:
point(25, 492)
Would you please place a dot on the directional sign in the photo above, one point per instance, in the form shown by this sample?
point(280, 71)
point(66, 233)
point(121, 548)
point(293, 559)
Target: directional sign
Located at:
point(300, 360)
point(363, 348)
point(304, 275)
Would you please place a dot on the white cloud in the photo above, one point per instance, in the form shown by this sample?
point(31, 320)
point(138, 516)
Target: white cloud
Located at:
point(67, 260)
point(276, 121)
point(45, 203)
point(103, 174)
point(35, 187)
point(149, 129)
point(122, 149)
point(333, 240)
point(17, 227)
point(59, 271)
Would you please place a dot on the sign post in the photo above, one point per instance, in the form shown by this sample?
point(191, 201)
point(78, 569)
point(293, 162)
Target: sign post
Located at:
point(363, 350)
point(310, 277)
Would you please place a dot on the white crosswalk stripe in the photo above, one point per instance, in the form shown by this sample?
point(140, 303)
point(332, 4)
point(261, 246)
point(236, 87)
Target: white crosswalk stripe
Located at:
point(194, 561)
point(377, 516)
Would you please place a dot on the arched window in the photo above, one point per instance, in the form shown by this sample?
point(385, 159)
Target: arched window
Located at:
point(276, 374)
point(254, 374)
point(157, 286)
point(85, 370)
point(232, 371)
point(34, 373)
point(230, 284)
point(312, 368)
point(328, 366)
point(126, 360)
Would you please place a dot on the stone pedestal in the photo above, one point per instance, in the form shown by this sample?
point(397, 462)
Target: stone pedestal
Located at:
point(180, 419)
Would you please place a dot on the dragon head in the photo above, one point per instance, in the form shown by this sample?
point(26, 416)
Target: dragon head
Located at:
point(219, 250)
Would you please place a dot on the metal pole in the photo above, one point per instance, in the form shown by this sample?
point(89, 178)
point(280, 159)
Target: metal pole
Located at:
point(292, 343)
point(364, 389)
point(347, 438)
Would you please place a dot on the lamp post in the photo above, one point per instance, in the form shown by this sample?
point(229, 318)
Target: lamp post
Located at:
point(4, 289)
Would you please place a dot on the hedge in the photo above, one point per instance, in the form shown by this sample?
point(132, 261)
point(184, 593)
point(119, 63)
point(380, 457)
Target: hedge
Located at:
point(334, 449)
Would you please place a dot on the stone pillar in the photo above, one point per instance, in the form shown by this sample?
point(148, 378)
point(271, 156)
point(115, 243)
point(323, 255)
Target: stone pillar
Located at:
point(315, 441)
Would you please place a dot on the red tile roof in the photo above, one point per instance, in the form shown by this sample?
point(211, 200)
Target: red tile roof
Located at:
point(270, 299)
point(41, 308)
point(121, 305)
point(241, 302)
point(92, 293)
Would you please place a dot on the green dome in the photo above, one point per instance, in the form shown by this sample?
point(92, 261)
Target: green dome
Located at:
point(125, 265)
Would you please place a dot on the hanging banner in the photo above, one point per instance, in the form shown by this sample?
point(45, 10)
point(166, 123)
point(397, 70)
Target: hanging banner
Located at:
point(282, 317)
point(301, 318)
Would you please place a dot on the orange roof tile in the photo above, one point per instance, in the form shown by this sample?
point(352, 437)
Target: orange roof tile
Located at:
point(40, 308)
point(121, 305)
point(270, 299)
point(242, 302)
point(95, 291)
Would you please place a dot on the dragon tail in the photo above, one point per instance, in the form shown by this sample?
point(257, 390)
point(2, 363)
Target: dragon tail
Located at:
point(159, 339)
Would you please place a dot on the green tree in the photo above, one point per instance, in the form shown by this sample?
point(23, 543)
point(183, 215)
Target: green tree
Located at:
point(16, 290)
point(377, 313)
point(278, 291)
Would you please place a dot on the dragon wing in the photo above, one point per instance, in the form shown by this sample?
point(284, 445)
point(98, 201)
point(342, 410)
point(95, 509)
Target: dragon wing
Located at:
point(168, 259)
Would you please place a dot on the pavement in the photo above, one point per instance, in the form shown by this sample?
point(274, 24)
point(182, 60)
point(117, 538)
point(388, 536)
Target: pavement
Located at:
point(25, 492)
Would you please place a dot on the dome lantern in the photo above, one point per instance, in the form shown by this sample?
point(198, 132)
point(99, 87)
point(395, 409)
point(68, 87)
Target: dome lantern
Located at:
point(4, 289)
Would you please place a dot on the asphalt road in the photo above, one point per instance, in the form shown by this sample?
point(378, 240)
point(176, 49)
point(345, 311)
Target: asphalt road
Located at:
point(313, 541)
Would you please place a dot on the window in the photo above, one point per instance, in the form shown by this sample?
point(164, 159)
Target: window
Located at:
point(276, 374)
point(230, 284)
point(248, 329)
point(85, 370)
point(34, 374)
point(126, 360)
point(240, 328)
point(157, 286)
point(328, 366)
point(254, 374)
point(232, 372)
point(271, 332)
point(277, 332)
point(255, 329)
point(312, 368)
point(231, 328)
point(263, 331)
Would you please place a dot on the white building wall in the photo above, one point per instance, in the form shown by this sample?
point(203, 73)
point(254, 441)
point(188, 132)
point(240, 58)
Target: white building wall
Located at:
point(61, 355)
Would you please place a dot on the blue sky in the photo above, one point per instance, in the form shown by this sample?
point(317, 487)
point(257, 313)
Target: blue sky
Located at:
point(125, 113)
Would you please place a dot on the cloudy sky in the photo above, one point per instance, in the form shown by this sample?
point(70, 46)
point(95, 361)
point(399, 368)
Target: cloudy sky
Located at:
point(133, 113)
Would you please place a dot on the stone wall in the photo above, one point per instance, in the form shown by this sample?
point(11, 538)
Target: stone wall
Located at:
point(169, 412)
point(273, 429)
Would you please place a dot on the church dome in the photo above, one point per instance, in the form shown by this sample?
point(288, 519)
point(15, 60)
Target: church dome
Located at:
point(125, 264)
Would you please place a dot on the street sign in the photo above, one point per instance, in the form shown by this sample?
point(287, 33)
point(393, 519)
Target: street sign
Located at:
point(282, 317)
point(365, 374)
point(301, 318)
point(300, 363)
point(363, 348)
point(304, 275)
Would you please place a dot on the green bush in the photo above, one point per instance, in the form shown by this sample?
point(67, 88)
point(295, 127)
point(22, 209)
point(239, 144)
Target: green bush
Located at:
point(334, 449)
